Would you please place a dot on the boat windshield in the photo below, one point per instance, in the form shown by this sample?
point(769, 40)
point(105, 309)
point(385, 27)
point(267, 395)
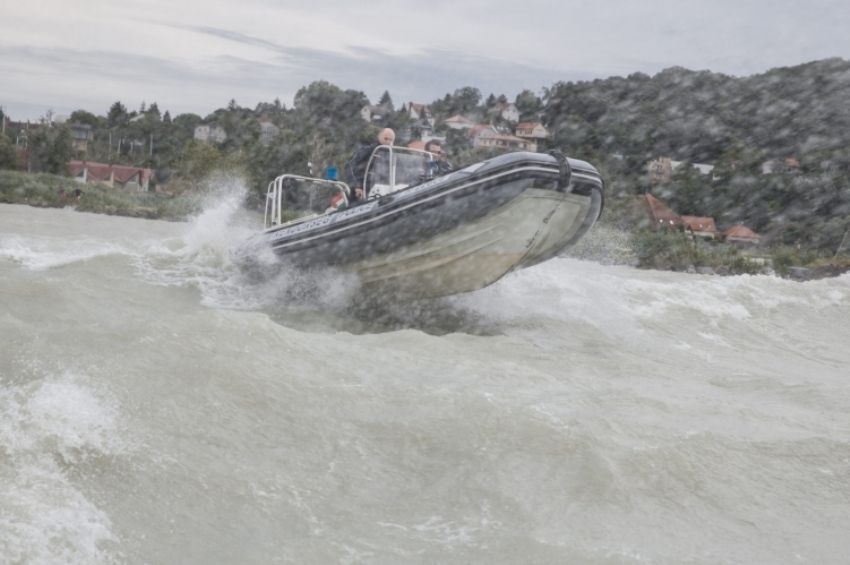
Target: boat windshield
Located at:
point(393, 168)
point(293, 197)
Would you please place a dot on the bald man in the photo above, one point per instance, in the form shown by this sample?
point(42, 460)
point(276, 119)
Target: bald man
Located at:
point(386, 136)
point(355, 169)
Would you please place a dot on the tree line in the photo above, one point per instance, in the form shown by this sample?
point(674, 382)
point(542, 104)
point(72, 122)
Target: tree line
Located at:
point(617, 123)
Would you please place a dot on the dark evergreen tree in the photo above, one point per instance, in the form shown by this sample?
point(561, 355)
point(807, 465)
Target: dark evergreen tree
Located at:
point(8, 156)
point(153, 112)
point(528, 104)
point(386, 101)
point(51, 149)
point(84, 117)
point(117, 115)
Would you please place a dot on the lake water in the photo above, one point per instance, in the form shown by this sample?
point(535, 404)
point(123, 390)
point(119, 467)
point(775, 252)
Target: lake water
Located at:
point(158, 405)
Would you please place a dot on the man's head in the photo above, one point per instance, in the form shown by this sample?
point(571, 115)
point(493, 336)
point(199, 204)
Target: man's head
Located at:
point(386, 136)
point(434, 146)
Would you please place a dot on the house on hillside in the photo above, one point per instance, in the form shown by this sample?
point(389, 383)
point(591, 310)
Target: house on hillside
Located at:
point(418, 112)
point(741, 236)
point(458, 122)
point(130, 178)
point(704, 169)
point(210, 133)
point(374, 113)
point(422, 129)
point(81, 134)
point(479, 130)
point(531, 130)
point(661, 170)
point(700, 226)
point(787, 165)
point(488, 136)
point(660, 216)
point(268, 131)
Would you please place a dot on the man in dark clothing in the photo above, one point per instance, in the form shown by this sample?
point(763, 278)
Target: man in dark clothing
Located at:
point(355, 169)
point(441, 165)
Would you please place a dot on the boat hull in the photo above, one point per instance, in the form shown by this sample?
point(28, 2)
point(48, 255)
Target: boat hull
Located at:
point(526, 230)
point(453, 234)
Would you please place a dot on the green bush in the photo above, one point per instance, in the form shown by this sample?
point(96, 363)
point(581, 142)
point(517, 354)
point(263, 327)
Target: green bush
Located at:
point(44, 190)
point(33, 189)
point(784, 258)
point(676, 250)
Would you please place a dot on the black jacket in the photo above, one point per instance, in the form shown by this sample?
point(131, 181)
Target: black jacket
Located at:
point(355, 168)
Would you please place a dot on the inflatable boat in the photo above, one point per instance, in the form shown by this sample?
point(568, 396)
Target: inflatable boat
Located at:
point(421, 235)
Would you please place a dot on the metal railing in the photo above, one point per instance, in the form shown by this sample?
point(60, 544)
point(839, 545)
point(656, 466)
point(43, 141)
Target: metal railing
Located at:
point(392, 168)
point(316, 203)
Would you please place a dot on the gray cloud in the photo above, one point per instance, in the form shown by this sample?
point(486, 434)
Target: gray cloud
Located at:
point(423, 76)
point(203, 55)
point(182, 87)
point(229, 35)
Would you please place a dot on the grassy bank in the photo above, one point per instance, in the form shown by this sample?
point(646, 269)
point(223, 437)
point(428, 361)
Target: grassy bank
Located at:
point(45, 190)
point(608, 242)
point(675, 251)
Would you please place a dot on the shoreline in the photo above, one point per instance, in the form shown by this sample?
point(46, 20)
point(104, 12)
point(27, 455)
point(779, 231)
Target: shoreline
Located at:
point(610, 246)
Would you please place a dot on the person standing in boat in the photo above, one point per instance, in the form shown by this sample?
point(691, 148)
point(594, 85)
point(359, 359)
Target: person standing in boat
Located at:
point(440, 165)
point(355, 169)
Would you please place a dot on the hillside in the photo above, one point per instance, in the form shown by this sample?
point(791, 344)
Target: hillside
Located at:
point(798, 116)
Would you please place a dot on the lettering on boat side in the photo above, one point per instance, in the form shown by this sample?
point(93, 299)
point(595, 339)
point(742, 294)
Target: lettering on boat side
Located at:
point(424, 186)
point(415, 190)
point(324, 221)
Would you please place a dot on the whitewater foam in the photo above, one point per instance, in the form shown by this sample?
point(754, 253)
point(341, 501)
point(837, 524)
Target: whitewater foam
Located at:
point(38, 254)
point(209, 255)
point(47, 428)
point(572, 412)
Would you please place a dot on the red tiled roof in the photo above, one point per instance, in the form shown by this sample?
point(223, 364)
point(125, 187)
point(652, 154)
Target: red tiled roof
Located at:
point(528, 125)
point(105, 171)
point(124, 173)
point(700, 223)
point(740, 232)
point(475, 130)
point(661, 213)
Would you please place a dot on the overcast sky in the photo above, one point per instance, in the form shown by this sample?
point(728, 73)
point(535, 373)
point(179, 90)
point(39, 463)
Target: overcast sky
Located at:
point(195, 55)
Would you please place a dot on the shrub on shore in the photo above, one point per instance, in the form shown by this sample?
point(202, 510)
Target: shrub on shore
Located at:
point(677, 251)
point(41, 189)
point(54, 191)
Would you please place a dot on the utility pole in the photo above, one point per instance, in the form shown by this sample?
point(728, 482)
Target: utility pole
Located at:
point(840, 245)
point(150, 152)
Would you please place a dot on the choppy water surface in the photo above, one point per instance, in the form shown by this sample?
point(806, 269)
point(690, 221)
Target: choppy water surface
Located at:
point(157, 405)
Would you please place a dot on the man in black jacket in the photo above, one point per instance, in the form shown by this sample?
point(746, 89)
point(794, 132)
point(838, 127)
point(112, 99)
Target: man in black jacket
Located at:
point(441, 165)
point(355, 169)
